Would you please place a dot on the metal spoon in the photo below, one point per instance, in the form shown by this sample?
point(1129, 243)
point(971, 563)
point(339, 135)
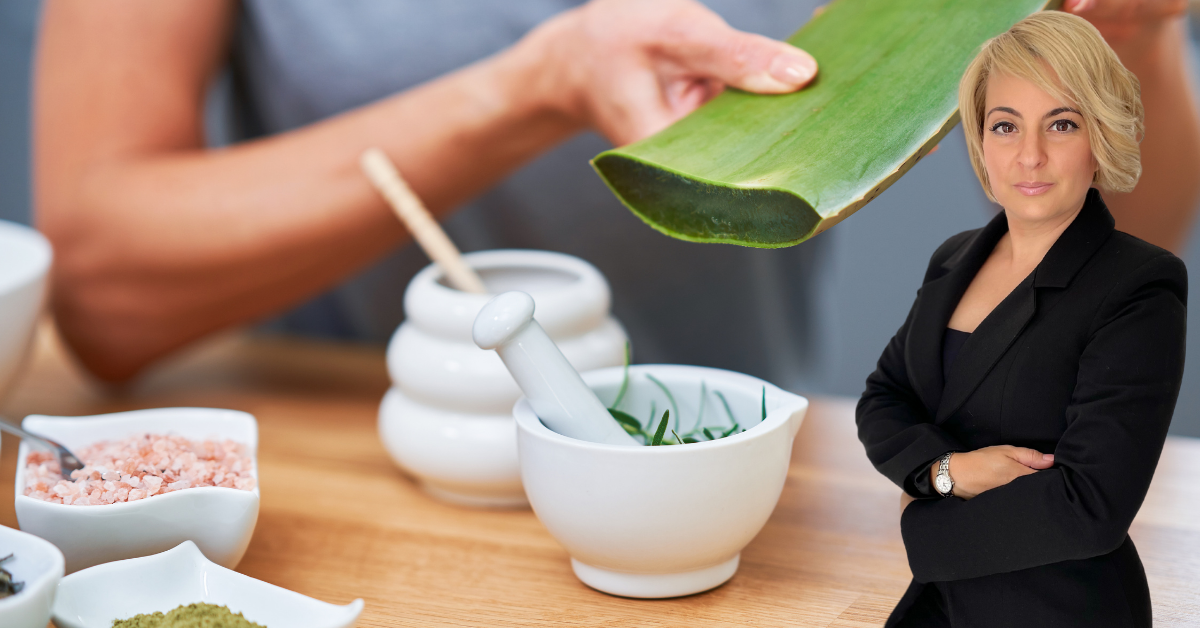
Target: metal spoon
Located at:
point(67, 461)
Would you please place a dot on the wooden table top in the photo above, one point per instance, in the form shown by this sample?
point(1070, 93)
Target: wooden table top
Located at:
point(339, 521)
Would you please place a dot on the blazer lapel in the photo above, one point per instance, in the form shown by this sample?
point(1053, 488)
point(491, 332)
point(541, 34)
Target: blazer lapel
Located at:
point(935, 304)
point(992, 338)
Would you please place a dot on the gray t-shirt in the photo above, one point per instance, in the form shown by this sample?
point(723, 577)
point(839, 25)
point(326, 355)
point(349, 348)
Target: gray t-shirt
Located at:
point(768, 313)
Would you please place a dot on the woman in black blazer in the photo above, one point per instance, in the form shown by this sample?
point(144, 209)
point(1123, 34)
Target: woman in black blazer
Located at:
point(1041, 359)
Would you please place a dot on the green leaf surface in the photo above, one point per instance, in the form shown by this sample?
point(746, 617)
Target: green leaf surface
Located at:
point(631, 425)
point(772, 171)
point(662, 429)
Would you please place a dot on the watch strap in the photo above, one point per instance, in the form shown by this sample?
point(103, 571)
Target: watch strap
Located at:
point(944, 471)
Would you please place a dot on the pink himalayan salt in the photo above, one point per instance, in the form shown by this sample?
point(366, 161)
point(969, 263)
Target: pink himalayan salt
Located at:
point(139, 467)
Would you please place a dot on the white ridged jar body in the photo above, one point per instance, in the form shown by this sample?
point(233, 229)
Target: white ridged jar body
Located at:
point(447, 419)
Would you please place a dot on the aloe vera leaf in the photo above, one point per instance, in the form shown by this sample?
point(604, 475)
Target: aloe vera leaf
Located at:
point(764, 404)
point(709, 434)
point(731, 430)
point(771, 171)
point(662, 429)
point(678, 438)
point(624, 377)
point(670, 397)
point(630, 424)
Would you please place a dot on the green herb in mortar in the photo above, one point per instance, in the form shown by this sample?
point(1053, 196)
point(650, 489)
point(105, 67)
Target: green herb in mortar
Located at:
point(7, 586)
point(199, 615)
point(655, 434)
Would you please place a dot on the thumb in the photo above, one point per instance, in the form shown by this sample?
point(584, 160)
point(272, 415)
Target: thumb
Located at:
point(744, 60)
point(1032, 458)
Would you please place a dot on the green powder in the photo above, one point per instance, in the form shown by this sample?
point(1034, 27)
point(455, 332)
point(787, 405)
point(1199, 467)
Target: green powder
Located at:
point(197, 615)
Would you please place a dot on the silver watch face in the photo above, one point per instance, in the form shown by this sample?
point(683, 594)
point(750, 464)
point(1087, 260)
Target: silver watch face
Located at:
point(943, 484)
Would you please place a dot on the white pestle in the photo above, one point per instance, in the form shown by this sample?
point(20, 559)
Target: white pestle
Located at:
point(554, 388)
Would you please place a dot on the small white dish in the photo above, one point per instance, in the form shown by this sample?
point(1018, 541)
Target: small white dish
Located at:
point(95, 597)
point(220, 520)
point(37, 564)
point(25, 258)
point(656, 522)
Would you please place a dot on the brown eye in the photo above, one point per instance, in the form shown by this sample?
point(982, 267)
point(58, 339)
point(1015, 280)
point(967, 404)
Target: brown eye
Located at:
point(1003, 128)
point(1063, 126)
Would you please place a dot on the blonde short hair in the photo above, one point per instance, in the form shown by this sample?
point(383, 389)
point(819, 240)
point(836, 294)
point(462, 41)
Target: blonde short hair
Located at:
point(1067, 57)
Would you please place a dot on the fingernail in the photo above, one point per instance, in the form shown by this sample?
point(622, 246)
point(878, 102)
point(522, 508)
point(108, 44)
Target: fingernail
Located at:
point(793, 69)
point(1047, 457)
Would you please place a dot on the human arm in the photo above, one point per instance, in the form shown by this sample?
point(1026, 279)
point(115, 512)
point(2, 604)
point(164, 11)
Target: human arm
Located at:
point(1124, 396)
point(1150, 37)
point(160, 241)
point(984, 469)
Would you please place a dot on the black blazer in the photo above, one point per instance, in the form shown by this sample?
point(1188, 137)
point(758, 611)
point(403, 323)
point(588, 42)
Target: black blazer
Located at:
point(1084, 360)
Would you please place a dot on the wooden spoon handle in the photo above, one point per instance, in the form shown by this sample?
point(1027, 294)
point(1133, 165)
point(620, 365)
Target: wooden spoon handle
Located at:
point(427, 232)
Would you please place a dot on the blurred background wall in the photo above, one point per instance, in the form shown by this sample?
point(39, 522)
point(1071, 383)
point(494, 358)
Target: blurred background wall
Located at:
point(864, 297)
point(17, 24)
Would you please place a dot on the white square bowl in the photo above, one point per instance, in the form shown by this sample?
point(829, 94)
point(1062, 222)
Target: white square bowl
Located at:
point(93, 598)
point(37, 564)
point(219, 520)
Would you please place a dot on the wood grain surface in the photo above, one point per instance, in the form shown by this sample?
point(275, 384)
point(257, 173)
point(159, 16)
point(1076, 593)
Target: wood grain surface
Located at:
point(339, 521)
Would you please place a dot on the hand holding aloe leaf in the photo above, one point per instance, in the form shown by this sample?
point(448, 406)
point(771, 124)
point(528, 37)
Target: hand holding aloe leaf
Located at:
point(630, 68)
point(773, 170)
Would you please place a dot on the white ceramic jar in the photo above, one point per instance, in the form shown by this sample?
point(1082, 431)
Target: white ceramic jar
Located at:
point(447, 419)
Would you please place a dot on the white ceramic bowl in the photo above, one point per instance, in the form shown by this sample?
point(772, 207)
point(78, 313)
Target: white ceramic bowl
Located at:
point(653, 522)
point(220, 520)
point(39, 565)
point(447, 420)
point(94, 597)
point(24, 261)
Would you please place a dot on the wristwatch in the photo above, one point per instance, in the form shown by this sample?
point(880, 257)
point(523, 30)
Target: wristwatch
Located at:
point(943, 483)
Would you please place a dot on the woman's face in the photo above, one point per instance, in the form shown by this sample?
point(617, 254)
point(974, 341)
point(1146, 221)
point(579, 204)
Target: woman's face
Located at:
point(1036, 151)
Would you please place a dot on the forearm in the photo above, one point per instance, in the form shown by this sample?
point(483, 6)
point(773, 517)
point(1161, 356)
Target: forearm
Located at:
point(160, 246)
point(1162, 207)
